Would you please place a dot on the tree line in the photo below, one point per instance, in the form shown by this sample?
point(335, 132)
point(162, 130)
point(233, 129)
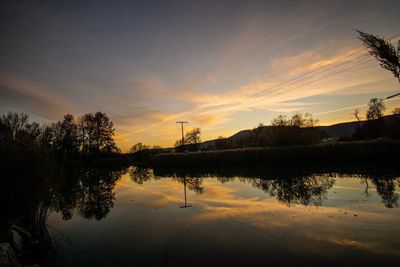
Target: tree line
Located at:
point(90, 135)
point(377, 125)
point(191, 140)
point(299, 129)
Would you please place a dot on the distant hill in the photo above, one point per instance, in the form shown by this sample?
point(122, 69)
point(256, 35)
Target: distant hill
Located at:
point(338, 130)
point(334, 131)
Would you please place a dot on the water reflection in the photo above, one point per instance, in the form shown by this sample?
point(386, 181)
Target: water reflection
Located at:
point(140, 175)
point(289, 186)
point(90, 193)
point(185, 205)
point(299, 190)
point(385, 186)
point(32, 197)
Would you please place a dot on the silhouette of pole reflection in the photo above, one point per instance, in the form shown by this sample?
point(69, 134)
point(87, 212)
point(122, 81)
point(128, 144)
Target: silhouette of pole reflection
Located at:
point(184, 193)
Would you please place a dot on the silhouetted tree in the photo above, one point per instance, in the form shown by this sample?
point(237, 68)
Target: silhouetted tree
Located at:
point(16, 126)
point(103, 133)
point(298, 130)
point(66, 141)
point(356, 114)
point(297, 120)
point(137, 147)
point(303, 121)
point(96, 133)
point(280, 121)
point(193, 136)
point(46, 137)
point(376, 107)
point(377, 125)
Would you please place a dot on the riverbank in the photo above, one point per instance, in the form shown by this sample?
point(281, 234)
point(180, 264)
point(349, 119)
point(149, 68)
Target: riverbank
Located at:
point(381, 150)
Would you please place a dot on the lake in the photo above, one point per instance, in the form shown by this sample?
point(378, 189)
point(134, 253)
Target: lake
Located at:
point(133, 217)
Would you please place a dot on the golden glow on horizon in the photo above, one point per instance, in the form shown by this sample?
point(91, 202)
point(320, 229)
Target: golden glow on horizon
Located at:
point(216, 114)
point(225, 112)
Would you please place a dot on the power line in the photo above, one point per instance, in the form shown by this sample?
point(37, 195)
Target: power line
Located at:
point(352, 107)
point(392, 96)
point(302, 77)
point(302, 85)
point(307, 75)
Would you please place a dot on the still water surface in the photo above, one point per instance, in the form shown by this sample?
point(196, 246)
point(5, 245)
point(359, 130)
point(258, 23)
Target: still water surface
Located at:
point(143, 220)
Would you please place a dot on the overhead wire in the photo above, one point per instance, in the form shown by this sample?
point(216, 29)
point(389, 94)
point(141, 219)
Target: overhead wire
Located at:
point(323, 69)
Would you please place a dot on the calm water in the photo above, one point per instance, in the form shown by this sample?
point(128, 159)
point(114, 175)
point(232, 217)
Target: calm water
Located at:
point(137, 219)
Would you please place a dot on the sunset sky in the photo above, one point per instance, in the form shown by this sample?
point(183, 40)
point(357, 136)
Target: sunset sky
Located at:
point(224, 66)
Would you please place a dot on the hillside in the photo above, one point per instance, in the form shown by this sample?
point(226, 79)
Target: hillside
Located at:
point(333, 131)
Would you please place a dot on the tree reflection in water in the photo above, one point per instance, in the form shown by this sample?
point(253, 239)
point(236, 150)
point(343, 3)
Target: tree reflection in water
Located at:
point(88, 191)
point(140, 175)
point(297, 190)
point(33, 195)
point(291, 187)
point(386, 189)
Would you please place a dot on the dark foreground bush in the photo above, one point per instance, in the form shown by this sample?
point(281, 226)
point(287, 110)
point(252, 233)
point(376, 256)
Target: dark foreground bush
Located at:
point(342, 152)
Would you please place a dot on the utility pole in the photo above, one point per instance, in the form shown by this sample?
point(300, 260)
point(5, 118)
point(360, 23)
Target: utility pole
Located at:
point(183, 139)
point(184, 192)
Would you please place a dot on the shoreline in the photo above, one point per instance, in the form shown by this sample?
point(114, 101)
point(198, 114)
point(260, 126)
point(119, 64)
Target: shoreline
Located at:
point(373, 151)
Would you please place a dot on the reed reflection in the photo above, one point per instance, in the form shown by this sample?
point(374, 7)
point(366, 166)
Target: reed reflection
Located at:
point(33, 195)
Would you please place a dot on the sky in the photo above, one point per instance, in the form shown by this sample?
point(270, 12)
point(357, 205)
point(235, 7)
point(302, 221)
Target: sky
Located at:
point(224, 66)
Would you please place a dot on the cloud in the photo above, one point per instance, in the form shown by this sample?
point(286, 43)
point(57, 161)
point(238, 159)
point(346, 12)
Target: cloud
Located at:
point(276, 95)
point(274, 223)
point(26, 95)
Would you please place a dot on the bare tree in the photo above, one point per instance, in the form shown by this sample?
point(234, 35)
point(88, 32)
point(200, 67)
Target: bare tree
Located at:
point(193, 136)
point(356, 114)
point(14, 124)
point(280, 121)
